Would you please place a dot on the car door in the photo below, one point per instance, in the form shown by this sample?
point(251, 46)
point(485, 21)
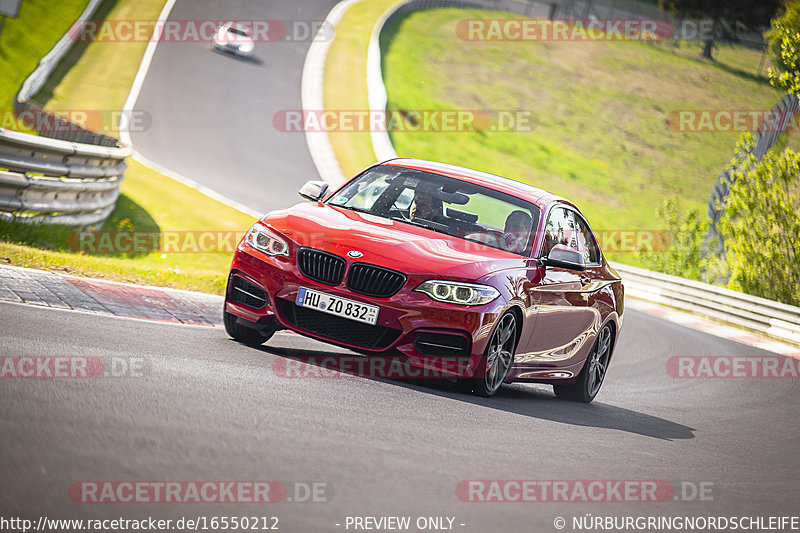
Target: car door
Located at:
point(564, 316)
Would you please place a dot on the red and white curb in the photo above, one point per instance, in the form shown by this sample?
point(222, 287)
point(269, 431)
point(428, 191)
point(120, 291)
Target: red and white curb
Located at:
point(60, 291)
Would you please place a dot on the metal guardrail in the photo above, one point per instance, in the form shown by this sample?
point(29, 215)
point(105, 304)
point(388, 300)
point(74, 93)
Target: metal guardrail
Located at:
point(71, 180)
point(49, 180)
point(34, 83)
point(773, 319)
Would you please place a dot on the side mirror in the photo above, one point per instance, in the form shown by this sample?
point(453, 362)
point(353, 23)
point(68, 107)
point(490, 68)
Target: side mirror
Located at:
point(564, 257)
point(314, 190)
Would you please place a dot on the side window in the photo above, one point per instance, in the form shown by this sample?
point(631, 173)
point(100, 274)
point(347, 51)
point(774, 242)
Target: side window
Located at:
point(558, 230)
point(567, 228)
point(587, 244)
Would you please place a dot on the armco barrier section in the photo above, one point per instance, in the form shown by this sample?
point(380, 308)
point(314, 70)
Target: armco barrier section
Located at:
point(767, 317)
point(49, 180)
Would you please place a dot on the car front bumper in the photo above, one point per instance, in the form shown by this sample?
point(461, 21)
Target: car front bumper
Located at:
point(445, 338)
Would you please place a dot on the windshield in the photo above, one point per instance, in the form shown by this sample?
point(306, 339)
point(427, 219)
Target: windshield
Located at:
point(239, 31)
point(445, 205)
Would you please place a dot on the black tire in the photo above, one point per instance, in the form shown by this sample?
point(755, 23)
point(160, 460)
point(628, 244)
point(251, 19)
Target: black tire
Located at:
point(497, 360)
point(593, 372)
point(243, 334)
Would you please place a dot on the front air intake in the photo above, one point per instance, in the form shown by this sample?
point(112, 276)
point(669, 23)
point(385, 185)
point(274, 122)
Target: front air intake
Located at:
point(246, 293)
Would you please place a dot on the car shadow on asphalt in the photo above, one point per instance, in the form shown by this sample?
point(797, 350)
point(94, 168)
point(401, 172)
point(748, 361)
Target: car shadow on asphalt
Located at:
point(252, 60)
point(517, 398)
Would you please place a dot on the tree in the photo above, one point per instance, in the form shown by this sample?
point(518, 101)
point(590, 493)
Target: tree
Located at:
point(686, 231)
point(783, 40)
point(760, 220)
point(781, 27)
point(761, 225)
point(718, 10)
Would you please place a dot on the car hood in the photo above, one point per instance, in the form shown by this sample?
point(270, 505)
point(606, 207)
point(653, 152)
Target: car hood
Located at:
point(389, 243)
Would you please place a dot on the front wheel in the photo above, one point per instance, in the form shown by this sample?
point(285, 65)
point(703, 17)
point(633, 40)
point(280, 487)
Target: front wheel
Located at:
point(591, 376)
point(243, 334)
point(498, 359)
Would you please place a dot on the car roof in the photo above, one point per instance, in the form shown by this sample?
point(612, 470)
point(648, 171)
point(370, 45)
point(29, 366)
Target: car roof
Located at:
point(238, 26)
point(540, 197)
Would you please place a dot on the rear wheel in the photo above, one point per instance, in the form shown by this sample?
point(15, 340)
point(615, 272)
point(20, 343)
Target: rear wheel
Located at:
point(591, 376)
point(244, 334)
point(497, 360)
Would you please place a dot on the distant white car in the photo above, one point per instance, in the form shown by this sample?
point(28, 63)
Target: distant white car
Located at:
point(234, 38)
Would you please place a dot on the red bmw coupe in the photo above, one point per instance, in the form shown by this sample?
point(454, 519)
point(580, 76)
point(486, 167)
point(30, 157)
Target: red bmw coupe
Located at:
point(480, 277)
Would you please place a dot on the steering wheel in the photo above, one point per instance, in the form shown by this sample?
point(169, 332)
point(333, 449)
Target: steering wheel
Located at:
point(490, 237)
point(399, 210)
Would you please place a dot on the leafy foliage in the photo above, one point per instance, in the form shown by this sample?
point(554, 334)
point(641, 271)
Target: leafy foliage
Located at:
point(790, 19)
point(761, 225)
point(687, 232)
point(784, 37)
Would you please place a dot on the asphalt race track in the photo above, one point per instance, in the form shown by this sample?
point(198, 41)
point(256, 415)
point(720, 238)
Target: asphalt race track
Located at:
point(207, 408)
point(212, 113)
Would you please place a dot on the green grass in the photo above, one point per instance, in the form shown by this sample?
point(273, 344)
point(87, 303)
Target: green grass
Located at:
point(28, 38)
point(600, 136)
point(98, 76)
point(599, 108)
point(345, 80)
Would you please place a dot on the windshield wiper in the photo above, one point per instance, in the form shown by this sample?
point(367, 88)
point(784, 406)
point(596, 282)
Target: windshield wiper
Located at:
point(431, 226)
point(357, 209)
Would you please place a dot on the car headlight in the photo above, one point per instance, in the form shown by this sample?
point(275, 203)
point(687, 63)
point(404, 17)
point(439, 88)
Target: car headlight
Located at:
point(455, 292)
point(263, 240)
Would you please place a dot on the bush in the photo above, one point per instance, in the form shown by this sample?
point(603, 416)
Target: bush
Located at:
point(687, 234)
point(783, 40)
point(761, 225)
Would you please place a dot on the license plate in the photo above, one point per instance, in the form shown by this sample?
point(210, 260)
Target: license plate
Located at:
point(335, 305)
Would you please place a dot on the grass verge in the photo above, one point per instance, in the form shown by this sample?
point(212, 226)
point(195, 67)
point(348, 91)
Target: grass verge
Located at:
point(21, 48)
point(600, 110)
point(98, 76)
point(346, 83)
